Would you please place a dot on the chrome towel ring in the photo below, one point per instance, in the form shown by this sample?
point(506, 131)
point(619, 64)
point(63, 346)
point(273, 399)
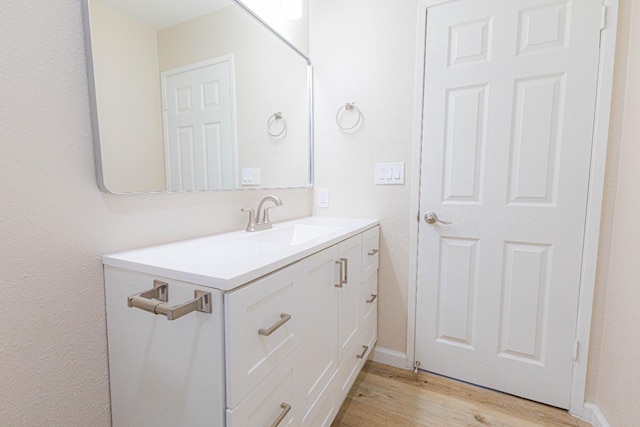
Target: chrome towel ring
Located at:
point(348, 109)
point(272, 128)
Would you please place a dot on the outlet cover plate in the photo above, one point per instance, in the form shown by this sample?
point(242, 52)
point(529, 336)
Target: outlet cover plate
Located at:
point(323, 197)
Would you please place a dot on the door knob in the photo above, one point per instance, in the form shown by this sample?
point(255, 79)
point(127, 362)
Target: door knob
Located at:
point(432, 218)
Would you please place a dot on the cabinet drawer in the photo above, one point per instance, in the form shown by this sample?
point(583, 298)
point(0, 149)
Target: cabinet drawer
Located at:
point(349, 369)
point(369, 298)
point(324, 409)
point(370, 250)
point(262, 330)
point(274, 399)
point(369, 335)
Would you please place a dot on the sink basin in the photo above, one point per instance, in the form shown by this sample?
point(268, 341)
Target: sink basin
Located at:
point(291, 235)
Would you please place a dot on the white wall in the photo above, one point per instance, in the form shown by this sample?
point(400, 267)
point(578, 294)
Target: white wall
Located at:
point(55, 224)
point(364, 51)
point(127, 89)
point(614, 372)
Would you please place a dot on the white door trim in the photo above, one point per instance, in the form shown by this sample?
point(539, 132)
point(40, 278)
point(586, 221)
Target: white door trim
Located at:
point(594, 203)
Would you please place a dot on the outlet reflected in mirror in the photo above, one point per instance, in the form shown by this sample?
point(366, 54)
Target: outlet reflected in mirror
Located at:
point(185, 94)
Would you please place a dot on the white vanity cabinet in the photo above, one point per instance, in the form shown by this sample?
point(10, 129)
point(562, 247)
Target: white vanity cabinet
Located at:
point(163, 373)
point(281, 348)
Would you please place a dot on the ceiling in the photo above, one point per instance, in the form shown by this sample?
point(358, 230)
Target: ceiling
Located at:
point(159, 14)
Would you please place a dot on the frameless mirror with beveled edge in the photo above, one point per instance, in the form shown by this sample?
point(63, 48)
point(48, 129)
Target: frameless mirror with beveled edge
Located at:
point(199, 95)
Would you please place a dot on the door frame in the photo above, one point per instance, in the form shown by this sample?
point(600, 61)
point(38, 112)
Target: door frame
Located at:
point(600, 141)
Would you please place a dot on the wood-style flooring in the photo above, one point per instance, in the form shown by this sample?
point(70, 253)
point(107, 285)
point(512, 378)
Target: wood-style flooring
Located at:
point(387, 396)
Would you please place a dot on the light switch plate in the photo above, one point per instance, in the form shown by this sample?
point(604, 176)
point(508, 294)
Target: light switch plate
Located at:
point(389, 173)
point(250, 176)
point(323, 197)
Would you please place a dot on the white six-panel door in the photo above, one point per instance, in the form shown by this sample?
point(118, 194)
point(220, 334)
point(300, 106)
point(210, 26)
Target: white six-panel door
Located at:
point(509, 102)
point(199, 126)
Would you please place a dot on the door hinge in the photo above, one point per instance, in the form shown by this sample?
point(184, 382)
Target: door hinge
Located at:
point(418, 216)
point(416, 366)
point(603, 22)
point(576, 350)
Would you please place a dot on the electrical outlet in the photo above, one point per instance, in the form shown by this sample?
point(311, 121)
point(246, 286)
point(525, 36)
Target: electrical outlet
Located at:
point(323, 197)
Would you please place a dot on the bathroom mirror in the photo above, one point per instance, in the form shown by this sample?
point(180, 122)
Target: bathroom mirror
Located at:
point(199, 95)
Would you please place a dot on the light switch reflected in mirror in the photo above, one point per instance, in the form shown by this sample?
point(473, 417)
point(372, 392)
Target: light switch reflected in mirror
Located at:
point(184, 90)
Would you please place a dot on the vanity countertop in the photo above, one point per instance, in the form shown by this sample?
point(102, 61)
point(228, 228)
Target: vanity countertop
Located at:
point(226, 261)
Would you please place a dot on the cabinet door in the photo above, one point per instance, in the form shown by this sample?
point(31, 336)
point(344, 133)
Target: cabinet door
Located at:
point(318, 353)
point(262, 321)
point(349, 293)
point(163, 373)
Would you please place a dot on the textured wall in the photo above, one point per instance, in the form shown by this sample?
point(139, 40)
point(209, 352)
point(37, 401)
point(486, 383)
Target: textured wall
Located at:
point(614, 374)
point(55, 224)
point(364, 51)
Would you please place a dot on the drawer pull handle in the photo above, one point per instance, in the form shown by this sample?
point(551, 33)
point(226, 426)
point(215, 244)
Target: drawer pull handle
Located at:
point(372, 299)
point(154, 301)
point(284, 318)
point(285, 410)
point(346, 270)
point(365, 348)
point(373, 252)
point(343, 263)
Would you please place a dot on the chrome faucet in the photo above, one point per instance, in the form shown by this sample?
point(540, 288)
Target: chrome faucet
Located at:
point(260, 220)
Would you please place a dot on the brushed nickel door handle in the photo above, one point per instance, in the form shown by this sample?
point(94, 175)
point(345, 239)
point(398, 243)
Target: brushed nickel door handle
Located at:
point(343, 263)
point(340, 278)
point(346, 270)
point(432, 218)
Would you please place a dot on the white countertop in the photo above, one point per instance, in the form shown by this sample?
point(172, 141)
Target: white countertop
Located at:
point(226, 261)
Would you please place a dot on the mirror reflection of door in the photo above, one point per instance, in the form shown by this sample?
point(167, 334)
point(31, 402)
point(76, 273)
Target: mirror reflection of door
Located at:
point(199, 126)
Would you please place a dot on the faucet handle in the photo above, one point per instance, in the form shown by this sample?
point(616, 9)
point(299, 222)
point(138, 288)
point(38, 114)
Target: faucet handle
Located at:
point(251, 225)
point(265, 218)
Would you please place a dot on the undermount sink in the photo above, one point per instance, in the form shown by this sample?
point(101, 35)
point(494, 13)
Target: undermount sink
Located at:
point(291, 235)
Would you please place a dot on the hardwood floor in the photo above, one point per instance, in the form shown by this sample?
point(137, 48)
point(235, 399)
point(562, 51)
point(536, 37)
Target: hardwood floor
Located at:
point(387, 396)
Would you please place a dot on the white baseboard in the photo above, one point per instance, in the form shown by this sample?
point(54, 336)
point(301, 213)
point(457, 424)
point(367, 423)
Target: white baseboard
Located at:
point(390, 357)
point(592, 414)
